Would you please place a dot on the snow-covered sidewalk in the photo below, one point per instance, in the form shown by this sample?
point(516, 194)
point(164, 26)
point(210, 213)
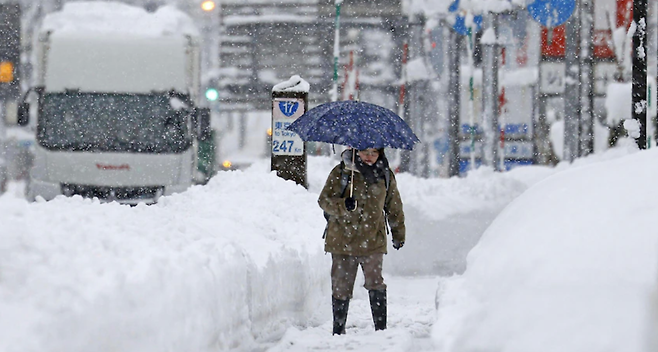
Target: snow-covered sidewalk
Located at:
point(411, 313)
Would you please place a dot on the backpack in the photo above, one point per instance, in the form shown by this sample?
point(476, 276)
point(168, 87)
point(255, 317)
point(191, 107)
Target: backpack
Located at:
point(344, 181)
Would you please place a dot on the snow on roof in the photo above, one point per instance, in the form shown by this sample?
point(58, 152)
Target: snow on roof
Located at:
point(114, 17)
point(294, 84)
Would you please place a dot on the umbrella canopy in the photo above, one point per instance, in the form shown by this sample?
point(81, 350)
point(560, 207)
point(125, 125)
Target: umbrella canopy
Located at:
point(355, 124)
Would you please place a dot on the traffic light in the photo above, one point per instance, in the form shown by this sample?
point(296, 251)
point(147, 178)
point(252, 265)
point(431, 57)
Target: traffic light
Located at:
point(212, 94)
point(208, 5)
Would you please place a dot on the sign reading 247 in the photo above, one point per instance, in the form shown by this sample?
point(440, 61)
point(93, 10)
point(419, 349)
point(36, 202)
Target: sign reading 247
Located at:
point(285, 111)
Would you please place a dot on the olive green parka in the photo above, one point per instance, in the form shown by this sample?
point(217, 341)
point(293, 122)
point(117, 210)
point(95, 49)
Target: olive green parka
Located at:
point(362, 231)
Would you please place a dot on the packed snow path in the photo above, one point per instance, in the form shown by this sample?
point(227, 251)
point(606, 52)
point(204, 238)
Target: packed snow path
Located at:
point(411, 312)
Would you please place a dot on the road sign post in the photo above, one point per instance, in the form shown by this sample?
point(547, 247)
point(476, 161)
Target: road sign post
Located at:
point(572, 91)
point(490, 52)
point(586, 77)
point(289, 102)
point(554, 69)
point(639, 84)
point(454, 103)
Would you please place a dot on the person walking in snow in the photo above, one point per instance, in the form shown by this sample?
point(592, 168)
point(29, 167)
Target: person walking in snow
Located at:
point(359, 198)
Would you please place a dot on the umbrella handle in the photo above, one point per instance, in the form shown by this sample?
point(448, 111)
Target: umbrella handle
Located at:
point(353, 166)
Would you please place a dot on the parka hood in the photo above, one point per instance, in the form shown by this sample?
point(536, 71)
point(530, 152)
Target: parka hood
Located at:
point(372, 173)
point(350, 164)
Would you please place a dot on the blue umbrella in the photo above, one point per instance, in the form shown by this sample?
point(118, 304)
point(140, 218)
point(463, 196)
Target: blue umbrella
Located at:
point(355, 124)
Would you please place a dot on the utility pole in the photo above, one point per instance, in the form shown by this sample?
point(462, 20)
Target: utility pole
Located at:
point(490, 50)
point(572, 91)
point(639, 52)
point(334, 87)
point(419, 95)
point(404, 100)
point(586, 78)
point(454, 93)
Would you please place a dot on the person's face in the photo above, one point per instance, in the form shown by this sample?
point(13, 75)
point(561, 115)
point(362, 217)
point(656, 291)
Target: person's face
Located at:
point(369, 156)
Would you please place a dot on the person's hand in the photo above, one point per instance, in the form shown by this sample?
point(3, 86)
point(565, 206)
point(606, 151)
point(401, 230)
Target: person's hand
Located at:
point(350, 203)
point(398, 244)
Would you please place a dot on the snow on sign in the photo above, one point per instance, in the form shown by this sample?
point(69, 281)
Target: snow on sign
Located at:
point(286, 111)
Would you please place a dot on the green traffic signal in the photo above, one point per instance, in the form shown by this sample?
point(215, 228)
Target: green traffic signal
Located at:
point(212, 94)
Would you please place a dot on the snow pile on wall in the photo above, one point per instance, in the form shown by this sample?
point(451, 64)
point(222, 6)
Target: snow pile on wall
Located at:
point(568, 266)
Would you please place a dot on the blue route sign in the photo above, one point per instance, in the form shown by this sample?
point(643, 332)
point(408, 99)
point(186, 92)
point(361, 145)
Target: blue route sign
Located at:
point(460, 21)
point(288, 108)
point(551, 13)
point(461, 28)
point(454, 6)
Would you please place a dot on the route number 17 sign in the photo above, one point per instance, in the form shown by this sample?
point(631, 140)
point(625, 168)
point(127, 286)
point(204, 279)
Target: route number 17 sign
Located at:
point(286, 111)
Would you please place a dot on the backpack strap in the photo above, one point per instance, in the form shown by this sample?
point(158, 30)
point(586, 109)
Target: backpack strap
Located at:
point(387, 180)
point(344, 179)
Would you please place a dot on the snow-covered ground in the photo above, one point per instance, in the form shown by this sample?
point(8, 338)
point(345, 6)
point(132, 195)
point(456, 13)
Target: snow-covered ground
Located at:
point(238, 264)
point(569, 266)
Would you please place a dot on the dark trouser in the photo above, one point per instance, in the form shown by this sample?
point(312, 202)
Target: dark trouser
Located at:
point(343, 273)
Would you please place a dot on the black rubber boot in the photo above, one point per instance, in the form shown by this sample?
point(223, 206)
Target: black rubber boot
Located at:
point(378, 308)
point(340, 308)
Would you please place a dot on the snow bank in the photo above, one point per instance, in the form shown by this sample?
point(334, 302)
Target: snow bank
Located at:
point(567, 266)
point(443, 198)
point(228, 264)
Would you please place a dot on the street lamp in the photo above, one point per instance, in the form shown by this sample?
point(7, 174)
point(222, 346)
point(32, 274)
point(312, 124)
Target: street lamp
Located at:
point(208, 5)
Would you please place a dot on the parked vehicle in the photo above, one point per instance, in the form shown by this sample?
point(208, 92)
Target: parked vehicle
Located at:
point(115, 103)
